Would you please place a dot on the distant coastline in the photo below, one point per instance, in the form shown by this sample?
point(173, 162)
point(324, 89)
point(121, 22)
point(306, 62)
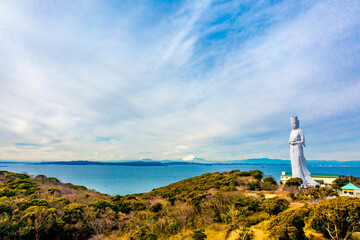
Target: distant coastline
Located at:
point(202, 162)
point(142, 176)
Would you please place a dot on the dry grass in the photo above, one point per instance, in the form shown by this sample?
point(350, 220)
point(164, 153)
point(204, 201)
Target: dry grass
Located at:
point(296, 204)
point(70, 192)
point(270, 195)
point(259, 231)
point(311, 232)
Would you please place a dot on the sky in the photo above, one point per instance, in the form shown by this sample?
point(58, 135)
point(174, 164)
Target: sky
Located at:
point(218, 80)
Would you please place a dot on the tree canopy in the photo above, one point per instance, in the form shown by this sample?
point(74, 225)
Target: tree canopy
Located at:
point(337, 218)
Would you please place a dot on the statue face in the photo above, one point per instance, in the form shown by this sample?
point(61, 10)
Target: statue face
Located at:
point(295, 125)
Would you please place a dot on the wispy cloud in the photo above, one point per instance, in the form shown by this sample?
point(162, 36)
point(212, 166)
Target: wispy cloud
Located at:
point(26, 144)
point(218, 80)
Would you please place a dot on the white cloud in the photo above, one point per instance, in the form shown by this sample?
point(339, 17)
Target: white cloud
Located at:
point(189, 157)
point(200, 78)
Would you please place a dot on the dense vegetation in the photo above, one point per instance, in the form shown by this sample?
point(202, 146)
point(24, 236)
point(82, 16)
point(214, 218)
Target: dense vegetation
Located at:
point(213, 205)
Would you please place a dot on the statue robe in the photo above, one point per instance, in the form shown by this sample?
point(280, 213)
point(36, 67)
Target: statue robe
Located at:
point(298, 165)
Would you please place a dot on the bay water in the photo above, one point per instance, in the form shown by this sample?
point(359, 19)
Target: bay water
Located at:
point(124, 180)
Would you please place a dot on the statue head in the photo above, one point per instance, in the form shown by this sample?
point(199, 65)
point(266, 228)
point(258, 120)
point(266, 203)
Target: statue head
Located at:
point(294, 122)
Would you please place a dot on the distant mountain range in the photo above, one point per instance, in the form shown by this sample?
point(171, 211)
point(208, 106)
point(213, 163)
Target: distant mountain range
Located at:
point(125, 163)
point(196, 161)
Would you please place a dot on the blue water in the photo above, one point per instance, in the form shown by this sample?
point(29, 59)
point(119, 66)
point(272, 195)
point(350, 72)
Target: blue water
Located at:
point(136, 179)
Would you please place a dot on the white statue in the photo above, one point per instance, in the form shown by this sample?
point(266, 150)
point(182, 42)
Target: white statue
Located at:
point(296, 143)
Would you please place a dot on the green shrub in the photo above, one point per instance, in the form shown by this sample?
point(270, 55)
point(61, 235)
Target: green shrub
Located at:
point(31, 191)
point(225, 181)
point(4, 208)
point(138, 206)
point(101, 205)
point(62, 200)
point(13, 176)
point(227, 188)
point(122, 206)
point(41, 178)
point(336, 218)
point(256, 174)
point(292, 196)
point(293, 182)
point(53, 180)
point(254, 185)
point(129, 197)
point(274, 206)
point(269, 183)
point(269, 180)
point(195, 202)
point(7, 192)
point(78, 187)
point(38, 222)
point(258, 217)
point(24, 204)
point(157, 207)
point(199, 234)
point(339, 182)
point(320, 193)
point(21, 184)
point(246, 205)
point(117, 198)
point(73, 212)
point(288, 225)
point(174, 227)
point(53, 190)
point(143, 234)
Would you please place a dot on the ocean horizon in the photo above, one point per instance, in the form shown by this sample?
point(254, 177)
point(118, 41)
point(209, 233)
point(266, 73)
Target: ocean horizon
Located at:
point(122, 180)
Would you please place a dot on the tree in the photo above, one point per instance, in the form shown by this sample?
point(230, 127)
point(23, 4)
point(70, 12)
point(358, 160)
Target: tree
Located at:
point(254, 185)
point(288, 225)
point(269, 180)
point(269, 183)
point(337, 218)
point(339, 182)
point(73, 212)
point(256, 174)
point(274, 206)
point(320, 193)
point(293, 182)
point(39, 222)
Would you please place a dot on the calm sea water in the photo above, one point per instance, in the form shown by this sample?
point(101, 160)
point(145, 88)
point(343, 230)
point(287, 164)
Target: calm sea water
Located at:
point(136, 179)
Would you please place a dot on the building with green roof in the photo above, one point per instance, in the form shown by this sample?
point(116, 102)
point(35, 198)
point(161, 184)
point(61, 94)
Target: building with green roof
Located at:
point(325, 179)
point(350, 190)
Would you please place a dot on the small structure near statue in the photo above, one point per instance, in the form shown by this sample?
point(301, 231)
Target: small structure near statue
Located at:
point(324, 180)
point(350, 190)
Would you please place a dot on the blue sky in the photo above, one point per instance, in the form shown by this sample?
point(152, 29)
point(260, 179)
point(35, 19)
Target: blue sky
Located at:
point(126, 80)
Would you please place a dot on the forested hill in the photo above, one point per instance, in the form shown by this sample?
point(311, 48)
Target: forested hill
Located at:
point(221, 205)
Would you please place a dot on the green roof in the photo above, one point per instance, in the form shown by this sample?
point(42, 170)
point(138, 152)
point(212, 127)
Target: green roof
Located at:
point(350, 186)
point(324, 175)
point(317, 174)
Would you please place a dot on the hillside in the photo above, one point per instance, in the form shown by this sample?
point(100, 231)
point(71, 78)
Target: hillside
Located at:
point(221, 205)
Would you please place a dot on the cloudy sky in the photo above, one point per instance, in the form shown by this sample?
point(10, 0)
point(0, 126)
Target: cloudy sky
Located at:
point(127, 80)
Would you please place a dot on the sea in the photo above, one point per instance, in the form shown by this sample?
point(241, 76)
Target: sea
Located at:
point(122, 180)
